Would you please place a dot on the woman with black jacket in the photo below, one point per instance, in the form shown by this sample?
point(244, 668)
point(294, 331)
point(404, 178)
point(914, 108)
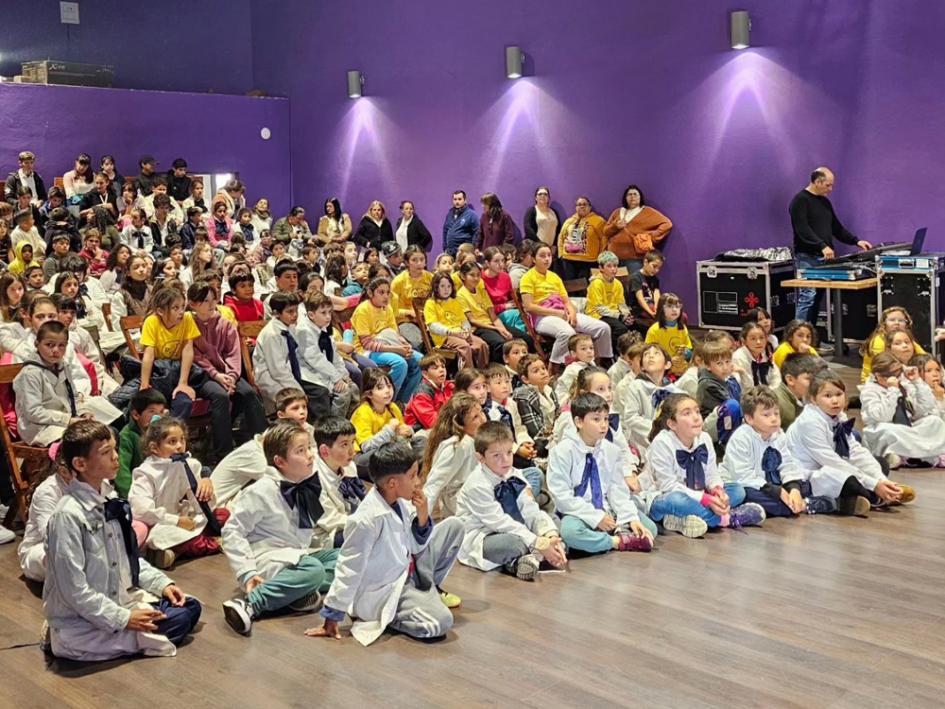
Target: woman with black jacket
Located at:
point(542, 222)
point(411, 230)
point(374, 228)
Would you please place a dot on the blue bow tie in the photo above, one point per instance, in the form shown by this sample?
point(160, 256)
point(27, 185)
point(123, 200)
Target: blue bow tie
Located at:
point(903, 415)
point(352, 491)
point(212, 525)
point(734, 388)
point(306, 497)
point(659, 396)
point(118, 509)
point(507, 493)
point(841, 434)
point(693, 462)
point(591, 478)
point(771, 465)
point(613, 423)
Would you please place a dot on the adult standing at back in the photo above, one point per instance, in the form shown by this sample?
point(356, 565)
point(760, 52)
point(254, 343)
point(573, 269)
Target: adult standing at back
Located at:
point(495, 226)
point(461, 225)
point(581, 240)
point(542, 221)
point(411, 231)
point(635, 229)
point(815, 226)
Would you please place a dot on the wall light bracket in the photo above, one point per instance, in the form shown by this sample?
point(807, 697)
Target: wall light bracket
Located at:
point(355, 84)
point(514, 62)
point(741, 29)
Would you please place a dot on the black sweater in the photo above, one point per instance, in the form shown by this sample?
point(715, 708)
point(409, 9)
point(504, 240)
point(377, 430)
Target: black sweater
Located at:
point(370, 234)
point(815, 224)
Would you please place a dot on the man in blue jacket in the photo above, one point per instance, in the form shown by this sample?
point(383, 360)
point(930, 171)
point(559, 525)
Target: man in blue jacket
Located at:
point(461, 224)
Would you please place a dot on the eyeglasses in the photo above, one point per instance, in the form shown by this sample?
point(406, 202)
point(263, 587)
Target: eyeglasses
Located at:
point(581, 204)
point(541, 194)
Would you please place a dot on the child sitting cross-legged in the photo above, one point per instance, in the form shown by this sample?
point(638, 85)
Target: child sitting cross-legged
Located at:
point(504, 526)
point(758, 458)
point(588, 487)
point(500, 407)
point(640, 399)
point(537, 403)
point(719, 392)
point(247, 463)
point(838, 466)
point(269, 539)
point(580, 355)
point(171, 494)
point(101, 600)
point(797, 371)
point(692, 496)
point(432, 394)
point(342, 489)
point(393, 557)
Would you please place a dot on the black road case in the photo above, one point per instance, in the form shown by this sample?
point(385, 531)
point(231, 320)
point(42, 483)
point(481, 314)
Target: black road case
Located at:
point(729, 289)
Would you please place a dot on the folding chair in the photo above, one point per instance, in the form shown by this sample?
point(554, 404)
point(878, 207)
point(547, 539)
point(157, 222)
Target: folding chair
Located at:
point(539, 339)
point(449, 355)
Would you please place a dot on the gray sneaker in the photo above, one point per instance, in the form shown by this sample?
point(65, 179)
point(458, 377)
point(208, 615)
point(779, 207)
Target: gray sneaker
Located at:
point(689, 526)
point(307, 603)
point(238, 615)
point(526, 567)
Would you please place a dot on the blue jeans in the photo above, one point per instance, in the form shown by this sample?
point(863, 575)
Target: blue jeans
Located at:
point(808, 299)
point(180, 620)
point(680, 504)
point(404, 372)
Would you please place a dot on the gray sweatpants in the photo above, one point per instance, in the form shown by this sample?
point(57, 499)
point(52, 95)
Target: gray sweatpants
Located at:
point(503, 548)
point(420, 612)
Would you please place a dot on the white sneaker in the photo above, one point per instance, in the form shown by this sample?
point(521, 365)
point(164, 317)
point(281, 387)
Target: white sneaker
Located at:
point(238, 615)
point(893, 461)
point(6, 536)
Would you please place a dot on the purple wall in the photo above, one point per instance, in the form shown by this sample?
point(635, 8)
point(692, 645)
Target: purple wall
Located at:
point(175, 45)
point(620, 92)
point(214, 133)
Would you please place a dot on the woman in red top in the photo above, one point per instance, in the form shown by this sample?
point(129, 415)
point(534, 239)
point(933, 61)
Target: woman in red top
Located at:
point(498, 285)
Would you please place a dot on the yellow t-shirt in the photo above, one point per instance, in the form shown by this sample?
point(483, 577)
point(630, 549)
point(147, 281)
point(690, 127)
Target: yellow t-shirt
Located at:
point(449, 313)
point(457, 281)
point(368, 319)
point(669, 338)
point(227, 313)
point(168, 344)
point(476, 304)
point(784, 349)
point(367, 422)
point(877, 345)
point(599, 292)
point(406, 289)
point(541, 286)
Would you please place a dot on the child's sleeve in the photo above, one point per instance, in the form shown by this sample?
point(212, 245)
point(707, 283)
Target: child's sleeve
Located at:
point(143, 508)
point(530, 412)
point(559, 485)
point(367, 440)
point(924, 399)
point(618, 496)
point(244, 516)
point(150, 331)
point(126, 454)
point(442, 470)
point(333, 517)
point(878, 404)
point(313, 357)
point(65, 555)
point(423, 409)
point(360, 537)
point(738, 465)
point(30, 406)
point(713, 479)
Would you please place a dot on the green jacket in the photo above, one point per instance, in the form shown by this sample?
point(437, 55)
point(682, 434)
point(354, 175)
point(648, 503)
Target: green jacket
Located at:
point(788, 405)
point(129, 457)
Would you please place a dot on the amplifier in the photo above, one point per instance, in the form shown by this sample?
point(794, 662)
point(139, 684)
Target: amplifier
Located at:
point(49, 71)
point(916, 284)
point(729, 289)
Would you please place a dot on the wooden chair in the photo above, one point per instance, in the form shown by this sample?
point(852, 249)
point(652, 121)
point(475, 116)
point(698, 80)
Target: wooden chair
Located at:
point(539, 339)
point(249, 330)
point(129, 323)
point(25, 475)
point(107, 314)
point(449, 355)
point(578, 286)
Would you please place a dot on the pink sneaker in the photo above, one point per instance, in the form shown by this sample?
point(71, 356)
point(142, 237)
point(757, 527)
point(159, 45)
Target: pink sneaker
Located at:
point(631, 542)
point(940, 463)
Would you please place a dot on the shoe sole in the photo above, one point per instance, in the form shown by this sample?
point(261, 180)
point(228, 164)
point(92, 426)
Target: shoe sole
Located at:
point(691, 526)
point(306, 607)
point(235, 620)
point(526, 572)
point(451, 607)
point(853, 506)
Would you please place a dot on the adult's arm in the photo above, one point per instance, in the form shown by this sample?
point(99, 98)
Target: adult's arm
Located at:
point(841, 232)
point(530, 222)
point(423, 238)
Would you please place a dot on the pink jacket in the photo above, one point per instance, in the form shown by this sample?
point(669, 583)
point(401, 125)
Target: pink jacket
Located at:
point(217, 350)
point(212, 231)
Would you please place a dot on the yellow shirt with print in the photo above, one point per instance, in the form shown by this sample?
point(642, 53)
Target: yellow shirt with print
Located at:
point(406, 289)
point(368, 319)
point(168, 343)
point(448, 313)
point(541, 286)
point(476, 304)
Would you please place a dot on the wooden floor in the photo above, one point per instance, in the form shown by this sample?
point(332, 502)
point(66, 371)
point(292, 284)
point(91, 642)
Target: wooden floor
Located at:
point(810, 612)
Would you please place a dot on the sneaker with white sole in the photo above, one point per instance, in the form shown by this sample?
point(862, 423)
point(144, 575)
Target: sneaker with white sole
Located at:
point(689, 526)
point(161, 558)
point(820, 505)
point(893, 461)
point(749, 514)
point(526, 567)
point(309, 602)
point(238, 615)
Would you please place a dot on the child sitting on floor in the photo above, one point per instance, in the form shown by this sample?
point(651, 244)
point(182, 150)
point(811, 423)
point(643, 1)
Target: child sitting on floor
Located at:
point(580, 355)
point(590, 493)
point(432, 394)
point(719, 392)
point(145, 405)
point(342, 489)
point(798, 338)
point(504, 528)
point(172, 495)
point(378, 420)
point(629, 349)
point(692, 496)
point(101, 600)
point(643, 396)
point(752, 361)
point(268, 537)
point(796, 374)
point(899, 414)
point(758, 458)
point(449, 457)
point(931, 372)
point(501, 407)
point(822, 441)
point(393, 557)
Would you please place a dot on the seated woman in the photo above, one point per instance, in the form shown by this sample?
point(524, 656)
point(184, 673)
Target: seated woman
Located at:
point(546, 301)
point(376, 336)
point(581, 240)
point(633, 229)
point(374, 228)
point(335, 225)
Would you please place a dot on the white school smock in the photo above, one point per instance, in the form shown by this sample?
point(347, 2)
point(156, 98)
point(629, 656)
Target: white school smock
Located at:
point(810, 439)
point(482, 515)
point(742, 359)
point(316, 367)
point(744, 452)
point(619, 370)
point(335, 508)
point(271, 359)
point(372, 566)
point(31, 552)
point(160, 495)
point(452, 464)
point(563, 385)
point(628, 458)
point(240, 467)
point(565, 471)
point(925, 438)
point(88, 597)
point(638, 411)
point(669, 475)
point(689, 382)
point(262, 535)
